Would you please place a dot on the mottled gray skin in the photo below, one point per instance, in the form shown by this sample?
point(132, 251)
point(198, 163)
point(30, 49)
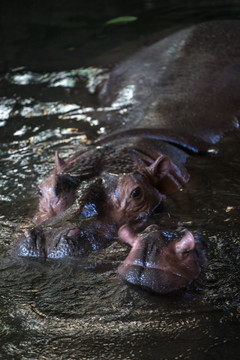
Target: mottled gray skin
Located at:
point(159, 261)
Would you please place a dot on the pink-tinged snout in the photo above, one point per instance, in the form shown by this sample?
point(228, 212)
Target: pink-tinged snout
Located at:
point(157, 264)
point(186, 244)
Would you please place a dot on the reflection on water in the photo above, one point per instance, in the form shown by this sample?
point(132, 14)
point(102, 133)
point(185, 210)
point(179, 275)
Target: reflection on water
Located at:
point(61, 78)
point(81, 309)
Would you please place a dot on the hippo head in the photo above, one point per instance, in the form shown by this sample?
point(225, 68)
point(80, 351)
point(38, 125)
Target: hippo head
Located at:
point(96, 189)
point(134, 196)
point(132, 190)
point(157, 264)
point(58, 191)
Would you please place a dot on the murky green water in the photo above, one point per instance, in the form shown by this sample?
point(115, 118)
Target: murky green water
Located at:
point(81, 309)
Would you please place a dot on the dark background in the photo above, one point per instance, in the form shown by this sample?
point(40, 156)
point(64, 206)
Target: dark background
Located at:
point(52, 35)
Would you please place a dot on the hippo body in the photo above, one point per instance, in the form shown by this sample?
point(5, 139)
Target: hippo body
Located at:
point(187, 82)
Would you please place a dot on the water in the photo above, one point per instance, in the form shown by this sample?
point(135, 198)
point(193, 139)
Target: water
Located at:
point(81, 309)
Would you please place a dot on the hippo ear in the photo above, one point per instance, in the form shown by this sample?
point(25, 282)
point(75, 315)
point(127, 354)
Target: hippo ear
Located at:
point(166, 176)
point(186, 244)
point(59, 163)
point(160, 168)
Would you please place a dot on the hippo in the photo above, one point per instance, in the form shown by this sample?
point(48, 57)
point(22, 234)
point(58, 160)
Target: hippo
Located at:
point(181, 91)
point(182, 96)
point(158, 263)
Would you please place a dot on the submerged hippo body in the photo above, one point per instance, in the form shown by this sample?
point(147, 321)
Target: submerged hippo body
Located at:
point(187, 82)
point(157, 264)
point(183, 88)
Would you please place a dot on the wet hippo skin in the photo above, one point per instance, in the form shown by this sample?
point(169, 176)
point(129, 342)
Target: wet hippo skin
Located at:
point(187, 82)
point(157, 264)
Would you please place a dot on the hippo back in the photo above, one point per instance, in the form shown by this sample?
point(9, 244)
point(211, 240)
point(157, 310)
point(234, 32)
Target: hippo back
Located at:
point(188, 81)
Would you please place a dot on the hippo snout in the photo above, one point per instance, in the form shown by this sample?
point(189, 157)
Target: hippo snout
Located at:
point(159, 261)
point(31, 243)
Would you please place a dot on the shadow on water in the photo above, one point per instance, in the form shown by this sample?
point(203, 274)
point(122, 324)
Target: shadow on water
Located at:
point(81, 309)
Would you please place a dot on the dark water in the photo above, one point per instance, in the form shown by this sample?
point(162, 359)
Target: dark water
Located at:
point(53, 57)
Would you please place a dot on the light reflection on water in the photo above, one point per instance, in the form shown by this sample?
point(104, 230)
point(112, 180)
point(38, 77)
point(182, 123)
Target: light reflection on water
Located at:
point(67, 79)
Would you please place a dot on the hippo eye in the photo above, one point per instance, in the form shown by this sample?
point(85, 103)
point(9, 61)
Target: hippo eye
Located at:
point(136, 192)
point(40, 192)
